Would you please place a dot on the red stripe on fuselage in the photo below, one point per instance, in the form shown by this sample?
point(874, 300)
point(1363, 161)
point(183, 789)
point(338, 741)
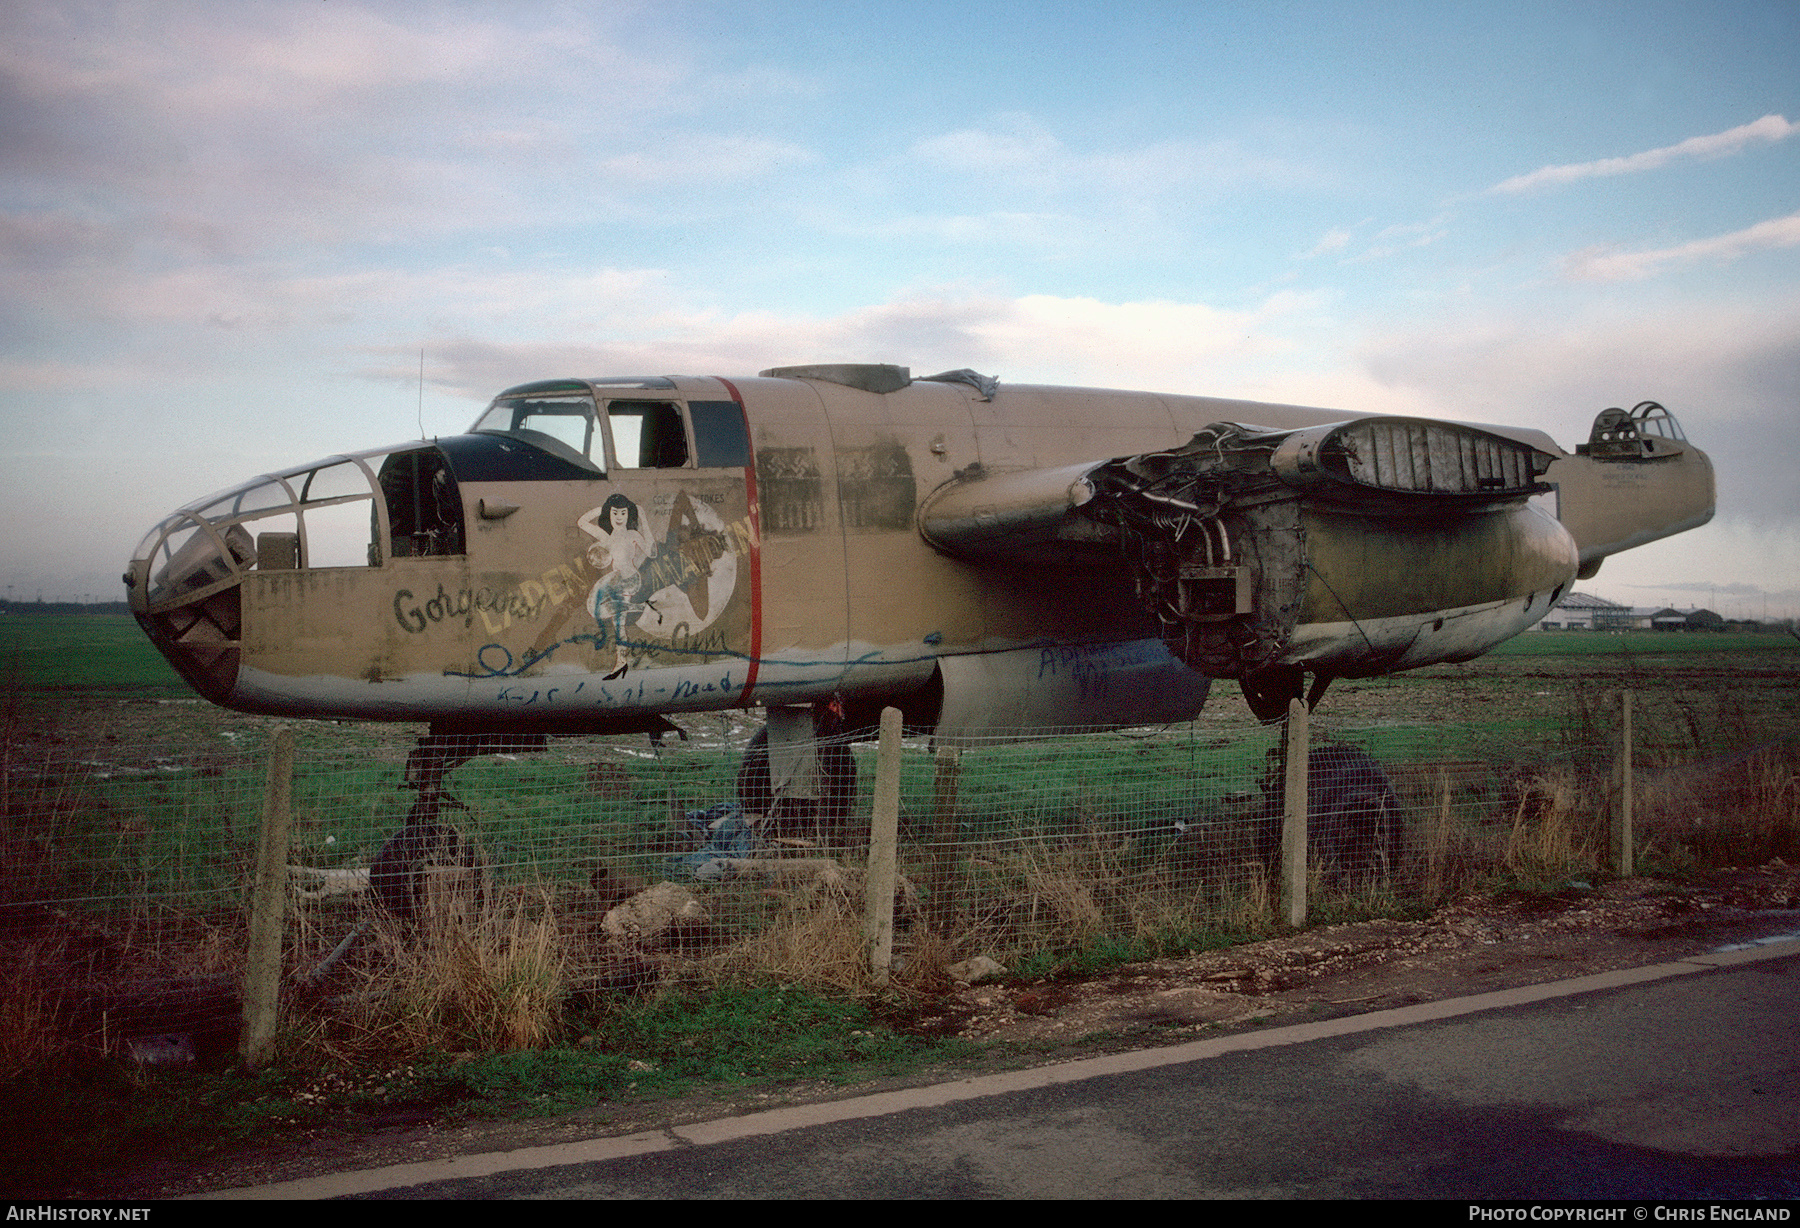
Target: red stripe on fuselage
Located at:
point(755, 513)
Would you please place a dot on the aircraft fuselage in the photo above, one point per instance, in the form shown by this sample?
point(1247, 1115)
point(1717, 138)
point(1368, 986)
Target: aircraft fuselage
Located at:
point(600, 554)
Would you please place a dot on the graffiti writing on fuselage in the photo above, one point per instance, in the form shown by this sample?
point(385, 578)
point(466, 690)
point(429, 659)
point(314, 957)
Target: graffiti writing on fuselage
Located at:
point(675, 586)
point(498, 661)
point(1091, 666)
point(497, 608)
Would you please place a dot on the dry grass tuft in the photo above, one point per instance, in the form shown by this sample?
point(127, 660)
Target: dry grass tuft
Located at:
point(1065, 888)
point(928, 955)
point(1556, 829)
point(818, 943)
point(816, 937)
point(492, 984)
point(1454, 853)
point(1740, 812)
point(33, 1032)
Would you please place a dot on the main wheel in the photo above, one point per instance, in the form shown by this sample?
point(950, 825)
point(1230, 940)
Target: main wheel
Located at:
point(1269, 690)
point(754, 790)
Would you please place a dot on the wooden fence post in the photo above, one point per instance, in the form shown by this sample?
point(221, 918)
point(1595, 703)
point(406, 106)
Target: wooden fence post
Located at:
point(884, 834)
point(1293, 825)
point(268, 901)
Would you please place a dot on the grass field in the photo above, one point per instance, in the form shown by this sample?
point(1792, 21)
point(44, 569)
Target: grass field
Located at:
point(110, 651)
point(1601, 643)
point(123, 790)
point(147, 793)
point(82, 652)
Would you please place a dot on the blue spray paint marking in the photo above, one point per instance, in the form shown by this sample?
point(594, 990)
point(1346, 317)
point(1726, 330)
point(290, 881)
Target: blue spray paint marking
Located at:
point(504, 666)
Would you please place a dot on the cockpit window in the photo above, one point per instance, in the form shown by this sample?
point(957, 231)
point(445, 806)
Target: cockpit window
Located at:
point(339, 517)
point(424, 506)
point(1618, 435)
point(562, 424)
point(648, 434)
point(1653, 419)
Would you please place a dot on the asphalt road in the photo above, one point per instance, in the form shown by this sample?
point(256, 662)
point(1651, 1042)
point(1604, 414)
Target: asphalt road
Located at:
point(1679, 1081)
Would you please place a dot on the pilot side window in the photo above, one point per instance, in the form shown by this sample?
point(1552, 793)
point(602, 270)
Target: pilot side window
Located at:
point(424, 505)
point(648, 434)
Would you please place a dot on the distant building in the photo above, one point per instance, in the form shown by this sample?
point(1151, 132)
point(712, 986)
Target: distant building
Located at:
point(1625, 618)
point(1585, 612)
point(1691, 619)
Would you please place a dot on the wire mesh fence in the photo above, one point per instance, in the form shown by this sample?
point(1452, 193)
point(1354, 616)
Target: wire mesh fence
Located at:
point(599, 864)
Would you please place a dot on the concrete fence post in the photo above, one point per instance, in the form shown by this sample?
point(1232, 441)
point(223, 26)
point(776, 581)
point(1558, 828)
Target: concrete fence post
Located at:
point(268, 903)
point(1623, 838)
point(1293, 826)
point(884, 835)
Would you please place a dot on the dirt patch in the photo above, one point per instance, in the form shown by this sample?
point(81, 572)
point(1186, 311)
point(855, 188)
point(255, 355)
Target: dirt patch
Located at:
point(1483, 942)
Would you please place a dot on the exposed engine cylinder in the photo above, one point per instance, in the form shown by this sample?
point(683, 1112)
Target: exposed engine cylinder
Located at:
point(1215, 546)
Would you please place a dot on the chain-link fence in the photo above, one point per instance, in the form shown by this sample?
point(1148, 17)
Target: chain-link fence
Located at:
point(601, 864)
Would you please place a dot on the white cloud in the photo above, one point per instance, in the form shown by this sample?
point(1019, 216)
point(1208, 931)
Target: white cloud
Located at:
point(277, 124)
point(1717, 144)
point(1016, 150)
point(1154, 345)
point(1160, 345)
point(1392, 240)
point(705, 158)
point(53, 375)
point(1608, 264)
point(1001, 226)
point(1016, 144)
point(1333, 241)
point(178, 315)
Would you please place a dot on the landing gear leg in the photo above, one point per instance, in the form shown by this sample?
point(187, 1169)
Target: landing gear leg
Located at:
point(799, 774)
point(397, 874)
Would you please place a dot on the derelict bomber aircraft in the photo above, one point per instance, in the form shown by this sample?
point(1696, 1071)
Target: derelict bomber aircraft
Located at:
point(602, 555)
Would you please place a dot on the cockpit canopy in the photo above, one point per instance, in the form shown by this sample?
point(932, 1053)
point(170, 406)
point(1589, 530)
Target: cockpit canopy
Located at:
point(1645, 432)
point(350, 511)
point(603, 425)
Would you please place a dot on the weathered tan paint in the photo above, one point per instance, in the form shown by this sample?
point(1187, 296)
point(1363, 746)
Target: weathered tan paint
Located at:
point(835, 589)
point(1609, 506)
point(1366, 568)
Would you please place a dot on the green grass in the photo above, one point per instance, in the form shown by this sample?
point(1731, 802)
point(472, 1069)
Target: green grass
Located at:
point(1134, 781)
point(83, 652)
point(1646, 643)
point(110, 651)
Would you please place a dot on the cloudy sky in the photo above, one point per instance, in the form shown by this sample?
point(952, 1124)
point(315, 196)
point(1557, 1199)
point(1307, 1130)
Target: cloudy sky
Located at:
point(228, 231)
